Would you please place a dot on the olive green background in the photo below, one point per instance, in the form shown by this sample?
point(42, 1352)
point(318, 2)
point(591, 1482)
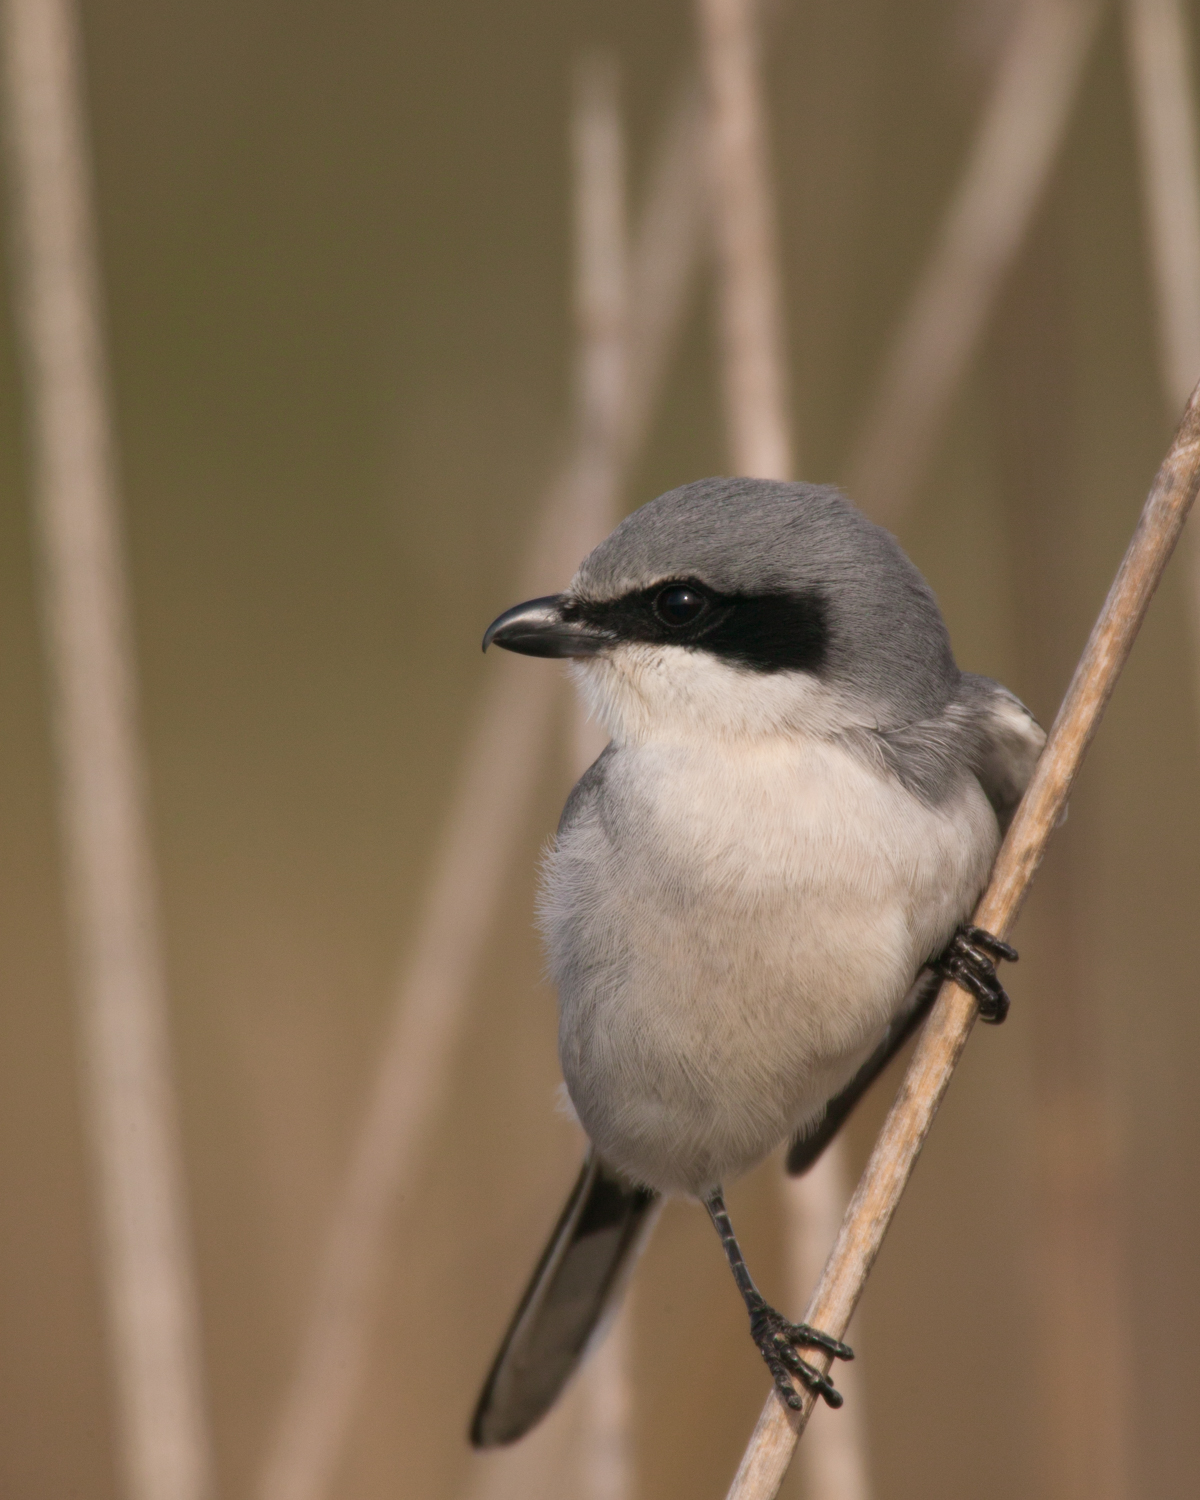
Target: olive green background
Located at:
point(335, 246)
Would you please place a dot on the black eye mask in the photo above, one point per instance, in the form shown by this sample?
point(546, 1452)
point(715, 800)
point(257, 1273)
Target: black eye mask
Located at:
point(769, 632)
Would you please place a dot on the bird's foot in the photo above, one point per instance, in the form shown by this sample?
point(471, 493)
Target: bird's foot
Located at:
point(777, 1339)
point(969, 959)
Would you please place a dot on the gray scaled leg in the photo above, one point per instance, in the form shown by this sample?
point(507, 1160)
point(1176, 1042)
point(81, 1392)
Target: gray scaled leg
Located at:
point(775, 1336)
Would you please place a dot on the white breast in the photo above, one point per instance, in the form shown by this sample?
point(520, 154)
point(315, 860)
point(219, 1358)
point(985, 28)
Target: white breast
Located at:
point(731, 927)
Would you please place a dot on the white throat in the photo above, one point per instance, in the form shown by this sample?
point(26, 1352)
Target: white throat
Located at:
point(642, 693)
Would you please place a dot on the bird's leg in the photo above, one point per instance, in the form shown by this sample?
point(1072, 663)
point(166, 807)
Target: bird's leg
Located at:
point(775, 1336)
point(969, 958)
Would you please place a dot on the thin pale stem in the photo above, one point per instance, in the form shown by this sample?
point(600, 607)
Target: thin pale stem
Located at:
point(119, 980)
point(603, 1460)
point(1164, 102)
point(761, 442)
point(1164, 99)
point(986, 223)
point(498, 778)
point(833, 1460)
point(749, 289)
point(945, 1035)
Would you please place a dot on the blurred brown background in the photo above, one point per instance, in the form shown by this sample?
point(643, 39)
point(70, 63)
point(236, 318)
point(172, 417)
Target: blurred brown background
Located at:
point(335, 243)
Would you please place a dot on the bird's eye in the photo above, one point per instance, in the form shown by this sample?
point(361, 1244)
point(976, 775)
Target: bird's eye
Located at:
point(679, 605)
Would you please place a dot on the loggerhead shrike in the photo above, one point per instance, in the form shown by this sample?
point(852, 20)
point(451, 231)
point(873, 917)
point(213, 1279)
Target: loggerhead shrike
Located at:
point(755, 889)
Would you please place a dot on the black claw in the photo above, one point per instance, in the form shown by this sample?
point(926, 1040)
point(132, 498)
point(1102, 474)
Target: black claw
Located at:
point(787, 1391)
point(805, 1333)
point(776, 1338)
point(810, 1376)
point(970, 960)
point(989, 942)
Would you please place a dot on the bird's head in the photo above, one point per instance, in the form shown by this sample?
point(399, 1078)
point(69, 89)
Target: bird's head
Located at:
point(741, 608)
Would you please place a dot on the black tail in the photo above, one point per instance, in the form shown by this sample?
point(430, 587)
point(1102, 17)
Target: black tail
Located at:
point(578, 1279)
point(805, 1149)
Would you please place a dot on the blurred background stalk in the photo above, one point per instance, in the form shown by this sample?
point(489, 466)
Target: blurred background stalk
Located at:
point(980, 235)
point(118, 968)
point(338, 266)
point(753, 365)
point(417, 1061)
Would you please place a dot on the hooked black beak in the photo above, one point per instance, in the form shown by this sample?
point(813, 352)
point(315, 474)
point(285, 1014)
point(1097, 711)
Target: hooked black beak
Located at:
point(546, 627)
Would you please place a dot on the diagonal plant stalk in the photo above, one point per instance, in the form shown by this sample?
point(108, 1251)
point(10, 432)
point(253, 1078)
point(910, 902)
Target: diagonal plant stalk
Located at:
point(945, 1034)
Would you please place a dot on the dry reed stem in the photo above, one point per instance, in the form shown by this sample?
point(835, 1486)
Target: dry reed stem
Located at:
point(1164, 100)
point(1022, 128)
point(761, 442)
point(499, 773)
point(129, 1107)
point(834, 1459)
point(601, 268)
point(1165, 108)
point(1025, 122)
point(750, 302)
point(602, 1465)
point(583, 1447)
point(605, 1462)
point(945, 1034)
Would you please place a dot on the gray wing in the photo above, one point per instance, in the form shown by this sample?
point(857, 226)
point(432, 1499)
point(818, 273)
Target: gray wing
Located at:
point(1002, 742)
point(1008, 741)
point(984, 731)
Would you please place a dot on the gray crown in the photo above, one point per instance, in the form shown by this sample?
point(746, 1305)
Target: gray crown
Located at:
point(888, 644)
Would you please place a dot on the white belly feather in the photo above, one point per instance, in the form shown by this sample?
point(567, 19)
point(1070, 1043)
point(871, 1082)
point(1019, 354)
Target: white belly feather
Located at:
point(730, 932)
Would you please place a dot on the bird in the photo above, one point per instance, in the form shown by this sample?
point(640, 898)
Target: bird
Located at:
point(756, 889)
